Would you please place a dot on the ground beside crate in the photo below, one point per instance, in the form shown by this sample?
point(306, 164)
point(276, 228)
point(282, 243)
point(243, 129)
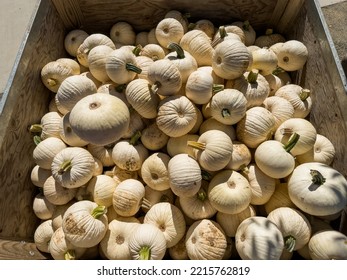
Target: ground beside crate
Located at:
point(336, 19)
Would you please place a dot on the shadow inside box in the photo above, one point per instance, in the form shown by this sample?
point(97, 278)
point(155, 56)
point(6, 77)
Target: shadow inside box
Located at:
point(344, 65)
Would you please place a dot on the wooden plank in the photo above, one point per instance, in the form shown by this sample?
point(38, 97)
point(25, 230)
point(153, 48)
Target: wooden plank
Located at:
point(277, 13)
point(70, 13)
point(100, 15)
point(292, 9)
point(23, 103)
point(20, 250)
point(322, 77)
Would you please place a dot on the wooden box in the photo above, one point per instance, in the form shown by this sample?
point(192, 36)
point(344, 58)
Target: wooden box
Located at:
point(26, 99)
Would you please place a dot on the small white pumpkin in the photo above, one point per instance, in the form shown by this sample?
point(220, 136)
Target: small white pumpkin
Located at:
point(198, 207)
point(73, 167)
point(147, 242)
point(317, 189)
point(42, 235)
point(115, 244)
point(240, 157)
point(184, 175)
point(323, 151)
point(154, 171)
point(169, 219)
point(280, 198)
point(212, 123)
point(229, 192)
point(328, 245)
point(258, 238)
point(293, 224)
point(62, 249)
point(85, 223)
point(213, 150)
point(101, 188)
point(100, 119)
point(205, 240)
point(127, 197)
point(122, 33)
point(169, 30)
point(55, 193)
point(228, 106)
point(178, 145)
point(129, 154)
point(176, 115)
point(153, 138)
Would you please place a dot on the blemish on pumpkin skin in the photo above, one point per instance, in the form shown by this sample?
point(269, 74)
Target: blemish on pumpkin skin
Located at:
point(72, 227)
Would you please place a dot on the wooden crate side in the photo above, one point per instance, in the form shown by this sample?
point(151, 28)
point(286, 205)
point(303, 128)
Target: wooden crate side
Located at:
point(20, 250)
point(99, 16)
point(26, 102)
point(321, 75)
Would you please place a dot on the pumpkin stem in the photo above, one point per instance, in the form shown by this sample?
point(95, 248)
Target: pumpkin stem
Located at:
point(155, 86)
point(206, 175)
point(289, 243)
point(35, 128)
point(191, 26)
point(244, 169)
point(286, 131)
point(146, 204)
point(246, 25)
point(252, 76)
point(134, 140)
point(217, 87)
point(137, 50)
point(222, 34)
point(202, 195)
point(70, 255)
point(37, 139)
point(277, 71)
point(225, 113)
point(178, 49)
point(108, 173)
point(65, 166)
point(291, 142)
point(51, 82)
point(145, 253)
point(196, 145)
point(269, 31)
point(120, 88)
point(317, 177)
point(133, 68)
point(304, 94)
point(99, 211)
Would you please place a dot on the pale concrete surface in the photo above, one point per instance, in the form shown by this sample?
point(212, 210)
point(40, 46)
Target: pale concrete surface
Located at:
point(15, 16)
point(14, 19)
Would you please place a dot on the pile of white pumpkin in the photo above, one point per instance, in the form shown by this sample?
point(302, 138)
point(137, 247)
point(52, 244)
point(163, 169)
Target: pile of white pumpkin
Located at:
point(188, 141)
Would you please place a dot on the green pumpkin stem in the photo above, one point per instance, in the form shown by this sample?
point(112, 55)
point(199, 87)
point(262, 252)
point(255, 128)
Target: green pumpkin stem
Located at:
point(289, 243)
point(51, 82)
point(206, 175)
point(70, 255)
point(37, 139)
point(133, 68)
point(120, 88)
point(137, 50)
point(99, 211)
point(304, 94)
point(134, 140)
point(191, 26)
point(202, 195)
point(35, 128)
point(65, 166)
point(252, 76)
point(145, 253)
point(246, 25)
point(178, 49)
point(217, 87)
point(291, 142)
point(269, 31)
point(317, 177)
point(277, 71)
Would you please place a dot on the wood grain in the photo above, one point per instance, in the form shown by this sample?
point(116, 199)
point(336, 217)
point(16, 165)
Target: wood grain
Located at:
point(20, 250)
point(99, 16)
point(26, 102)
point(328, 111)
